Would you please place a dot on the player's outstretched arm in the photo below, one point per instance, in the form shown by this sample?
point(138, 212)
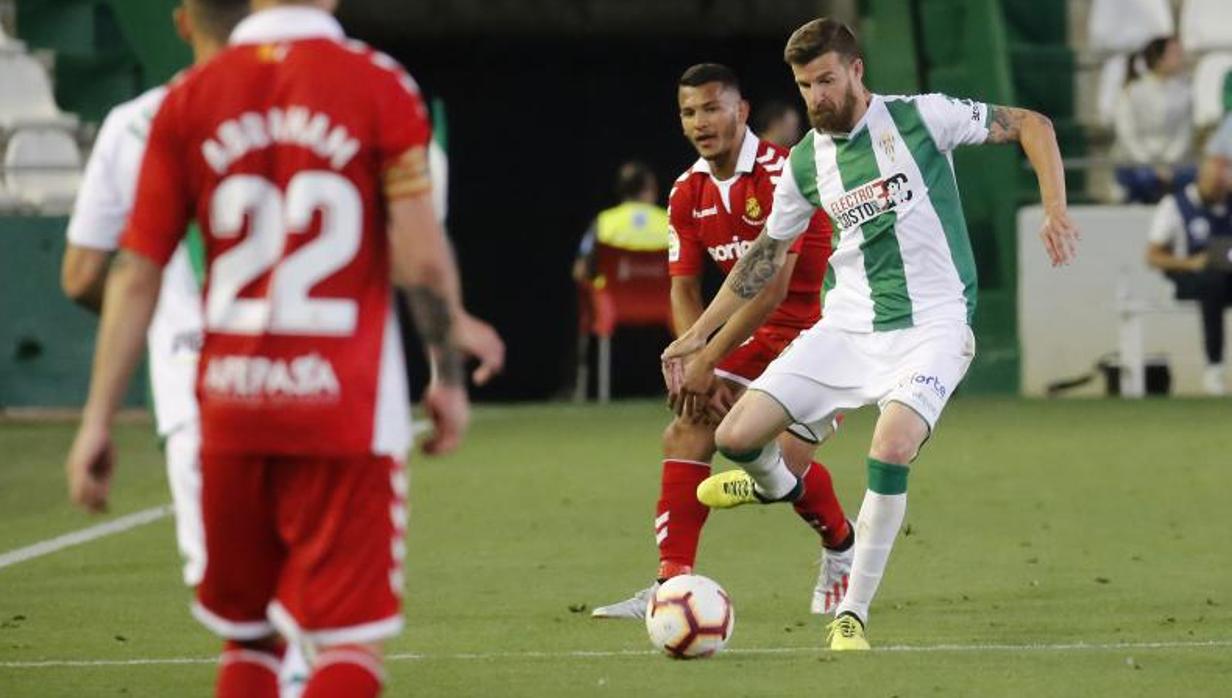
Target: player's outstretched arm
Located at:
point(1038, 139)
point(131, 294)
point(423, 264)
point(699, 371)
point(751, 274)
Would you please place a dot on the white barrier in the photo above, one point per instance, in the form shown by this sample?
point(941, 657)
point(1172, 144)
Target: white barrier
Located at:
point(1071, 316)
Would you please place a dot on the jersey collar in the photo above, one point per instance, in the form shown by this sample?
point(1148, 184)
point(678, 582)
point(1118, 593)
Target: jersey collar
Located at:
point(287, 24)
point(746, 160)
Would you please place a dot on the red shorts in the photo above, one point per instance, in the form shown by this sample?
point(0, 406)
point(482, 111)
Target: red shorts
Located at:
point(310, 547)
point(747, 361)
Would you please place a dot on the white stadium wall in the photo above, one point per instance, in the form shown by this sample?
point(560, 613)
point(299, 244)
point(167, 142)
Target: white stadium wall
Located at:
point(1068, 318)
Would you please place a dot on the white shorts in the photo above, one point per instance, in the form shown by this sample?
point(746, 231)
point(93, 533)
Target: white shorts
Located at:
point(827, 371)
point(183, 451)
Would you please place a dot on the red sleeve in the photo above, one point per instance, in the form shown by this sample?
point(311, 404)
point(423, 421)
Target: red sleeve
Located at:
point(163, 206)
point(820, 225)
point(405, 130)
point(685, 249)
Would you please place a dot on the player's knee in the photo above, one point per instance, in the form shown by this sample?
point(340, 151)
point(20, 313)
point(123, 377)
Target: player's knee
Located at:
point(685, 439)
point(899, 449)
point(736, 442)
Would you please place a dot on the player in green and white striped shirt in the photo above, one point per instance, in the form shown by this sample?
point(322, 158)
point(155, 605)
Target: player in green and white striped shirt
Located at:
point(900, 290)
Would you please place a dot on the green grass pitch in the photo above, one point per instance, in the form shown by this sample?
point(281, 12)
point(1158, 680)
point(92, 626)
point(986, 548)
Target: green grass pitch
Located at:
point(1076, 548)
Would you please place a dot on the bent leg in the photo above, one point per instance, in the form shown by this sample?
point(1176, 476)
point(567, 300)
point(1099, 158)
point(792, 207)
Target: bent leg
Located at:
point(747, 436)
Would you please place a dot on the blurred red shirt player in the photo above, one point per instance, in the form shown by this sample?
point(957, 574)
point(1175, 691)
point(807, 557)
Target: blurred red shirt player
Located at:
point(303, 157)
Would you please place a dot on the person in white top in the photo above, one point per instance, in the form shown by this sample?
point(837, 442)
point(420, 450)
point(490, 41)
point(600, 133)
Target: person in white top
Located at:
point(1185, 222)
point(900, 294)
point(1154, 128)
point(174, 339)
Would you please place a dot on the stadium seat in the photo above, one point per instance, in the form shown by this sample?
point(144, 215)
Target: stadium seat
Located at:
point(1127, 25)
point(1111, 82)
point(630, 289)
point(1206, 25)
point(26, 99)
point(10, 45)
point(1210, 88)
point(8, 202)
point(42, 167)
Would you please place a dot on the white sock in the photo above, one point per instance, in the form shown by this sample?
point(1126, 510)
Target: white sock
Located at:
point(769, 472)
point(293, 675)
point(881, 515)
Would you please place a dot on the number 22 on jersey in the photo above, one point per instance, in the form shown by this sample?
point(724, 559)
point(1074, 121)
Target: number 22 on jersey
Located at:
point(273, 216)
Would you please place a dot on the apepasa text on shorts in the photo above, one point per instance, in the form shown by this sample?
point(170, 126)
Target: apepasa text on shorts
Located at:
point(867, 201)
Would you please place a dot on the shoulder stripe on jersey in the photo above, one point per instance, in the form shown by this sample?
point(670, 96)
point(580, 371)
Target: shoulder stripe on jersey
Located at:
point(942, 193)
point(883, 259)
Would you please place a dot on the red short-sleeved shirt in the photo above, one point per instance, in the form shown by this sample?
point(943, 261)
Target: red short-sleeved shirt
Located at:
point(285, 152)
point(706, 223)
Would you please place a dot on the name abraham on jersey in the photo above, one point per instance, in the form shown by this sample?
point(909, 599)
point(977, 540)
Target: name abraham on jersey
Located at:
point(250, 131)
point(305, 377)
point(866, 202)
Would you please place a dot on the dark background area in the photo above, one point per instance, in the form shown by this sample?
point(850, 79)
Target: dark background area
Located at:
point(537, 126)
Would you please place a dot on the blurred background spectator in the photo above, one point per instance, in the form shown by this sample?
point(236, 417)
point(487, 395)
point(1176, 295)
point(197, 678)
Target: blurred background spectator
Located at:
point(622, 281)
point(1186, 224)
point(1154, 130)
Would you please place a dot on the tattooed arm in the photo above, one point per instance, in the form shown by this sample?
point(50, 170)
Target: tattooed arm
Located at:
point(747, 279)
point(1034, 132)
point(423, 264)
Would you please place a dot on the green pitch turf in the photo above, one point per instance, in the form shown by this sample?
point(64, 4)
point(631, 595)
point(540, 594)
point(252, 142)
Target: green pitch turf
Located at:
point(1074, 548)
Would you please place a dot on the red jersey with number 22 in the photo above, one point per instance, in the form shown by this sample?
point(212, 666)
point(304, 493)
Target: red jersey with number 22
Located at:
point(705, 223)
point(279, 151)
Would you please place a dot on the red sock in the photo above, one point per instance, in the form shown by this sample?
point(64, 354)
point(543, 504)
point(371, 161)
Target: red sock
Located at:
point(679, 516)
point(245, 672)
point(345, 672)
point(819, 506)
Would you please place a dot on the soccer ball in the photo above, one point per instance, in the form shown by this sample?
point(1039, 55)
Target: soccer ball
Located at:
point(690, 616)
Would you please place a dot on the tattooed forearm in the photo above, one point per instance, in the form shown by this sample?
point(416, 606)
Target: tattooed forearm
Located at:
point(1008, 122)
point(435, 324)
point(758, 265)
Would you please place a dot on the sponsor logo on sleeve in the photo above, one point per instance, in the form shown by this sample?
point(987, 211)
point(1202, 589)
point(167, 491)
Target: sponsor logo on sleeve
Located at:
point(673, 245)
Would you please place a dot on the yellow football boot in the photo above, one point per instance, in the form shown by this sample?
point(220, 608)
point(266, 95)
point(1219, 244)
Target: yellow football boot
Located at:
point(846, 633)
point(730, 488)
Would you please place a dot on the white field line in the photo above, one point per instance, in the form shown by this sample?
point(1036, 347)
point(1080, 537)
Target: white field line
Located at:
point(603, 654)
point(85, 535)
point(120, 525)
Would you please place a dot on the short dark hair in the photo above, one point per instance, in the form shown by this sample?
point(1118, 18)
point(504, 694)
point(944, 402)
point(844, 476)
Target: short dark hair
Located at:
point(769, 112)
point(632, 179)
point(818, 37)
point(704, 73)
point(217, 18)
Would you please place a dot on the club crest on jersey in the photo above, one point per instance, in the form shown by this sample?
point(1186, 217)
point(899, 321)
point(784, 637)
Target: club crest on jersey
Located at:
point(752, 208)
point(886, 141)
point(867, 201)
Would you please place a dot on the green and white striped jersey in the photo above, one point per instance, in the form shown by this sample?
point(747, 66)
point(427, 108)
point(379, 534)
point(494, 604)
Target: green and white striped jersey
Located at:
point(902, 256)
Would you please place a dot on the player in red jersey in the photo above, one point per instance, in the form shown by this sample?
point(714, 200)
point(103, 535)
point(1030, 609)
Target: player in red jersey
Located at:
point(717, 208)
point(303, 157)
